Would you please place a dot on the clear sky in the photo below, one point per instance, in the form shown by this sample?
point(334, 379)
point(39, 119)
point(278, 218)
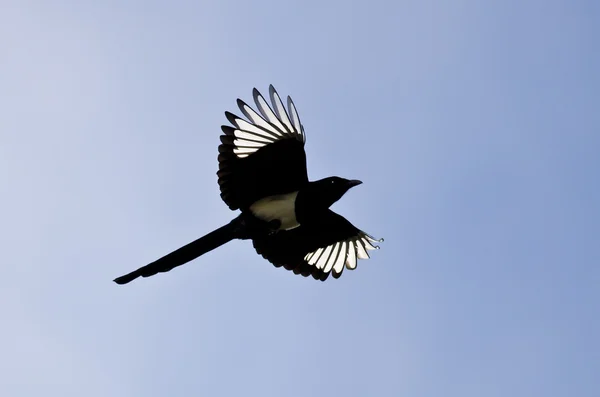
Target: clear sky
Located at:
point(475, 127)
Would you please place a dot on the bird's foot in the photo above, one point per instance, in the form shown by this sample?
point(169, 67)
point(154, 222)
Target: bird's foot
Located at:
point(274, 226)
point(247, 226)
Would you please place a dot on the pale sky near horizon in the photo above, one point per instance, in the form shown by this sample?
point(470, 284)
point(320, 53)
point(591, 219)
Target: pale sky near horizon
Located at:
point(475, 127)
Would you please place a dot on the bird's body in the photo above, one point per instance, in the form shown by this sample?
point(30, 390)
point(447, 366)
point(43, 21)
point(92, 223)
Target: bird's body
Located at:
point(279, 207)
point(262, 172)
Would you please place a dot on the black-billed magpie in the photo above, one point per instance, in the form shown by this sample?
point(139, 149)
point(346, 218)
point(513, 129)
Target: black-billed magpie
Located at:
point(262, 173)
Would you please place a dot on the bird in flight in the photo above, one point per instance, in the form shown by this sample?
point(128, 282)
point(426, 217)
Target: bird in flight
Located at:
point(262, 173)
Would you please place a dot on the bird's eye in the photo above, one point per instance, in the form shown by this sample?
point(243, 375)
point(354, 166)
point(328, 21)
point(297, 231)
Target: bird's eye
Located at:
point(332, 181)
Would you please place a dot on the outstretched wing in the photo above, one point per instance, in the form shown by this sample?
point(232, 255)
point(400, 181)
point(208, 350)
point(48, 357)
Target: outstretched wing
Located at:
point(262, 155)
point(324, 246)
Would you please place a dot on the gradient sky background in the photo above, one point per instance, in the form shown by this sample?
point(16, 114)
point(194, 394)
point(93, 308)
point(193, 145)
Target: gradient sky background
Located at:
point(474, 125)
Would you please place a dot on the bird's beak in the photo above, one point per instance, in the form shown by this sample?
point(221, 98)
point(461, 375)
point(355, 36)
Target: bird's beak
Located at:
point(353, 182)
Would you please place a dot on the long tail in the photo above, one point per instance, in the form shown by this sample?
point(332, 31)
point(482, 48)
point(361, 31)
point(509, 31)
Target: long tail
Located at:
point(204, 244)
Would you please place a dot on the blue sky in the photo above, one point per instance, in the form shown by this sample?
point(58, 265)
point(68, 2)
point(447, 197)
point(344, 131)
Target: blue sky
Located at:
point(474, 126)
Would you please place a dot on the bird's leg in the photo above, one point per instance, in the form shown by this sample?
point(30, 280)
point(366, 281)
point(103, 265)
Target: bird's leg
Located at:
point(274, 226)
point(246, 226)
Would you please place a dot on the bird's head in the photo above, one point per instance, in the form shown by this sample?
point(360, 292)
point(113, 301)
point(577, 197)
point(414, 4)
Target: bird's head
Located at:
point(329, 190)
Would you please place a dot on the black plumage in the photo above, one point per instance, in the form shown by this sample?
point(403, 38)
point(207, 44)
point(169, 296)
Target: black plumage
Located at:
point(262, 173)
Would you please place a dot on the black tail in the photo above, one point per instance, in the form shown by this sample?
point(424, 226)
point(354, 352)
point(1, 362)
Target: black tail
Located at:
point(204, 244)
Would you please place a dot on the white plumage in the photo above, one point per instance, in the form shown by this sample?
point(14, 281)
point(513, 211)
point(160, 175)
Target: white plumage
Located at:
point(281, 207)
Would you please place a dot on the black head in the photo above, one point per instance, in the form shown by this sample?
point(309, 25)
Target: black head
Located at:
point(327, 191)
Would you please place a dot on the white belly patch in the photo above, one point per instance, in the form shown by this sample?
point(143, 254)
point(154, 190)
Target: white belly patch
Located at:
point(281, 207)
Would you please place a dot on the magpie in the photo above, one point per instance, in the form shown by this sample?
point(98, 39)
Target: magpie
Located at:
point(262, 173)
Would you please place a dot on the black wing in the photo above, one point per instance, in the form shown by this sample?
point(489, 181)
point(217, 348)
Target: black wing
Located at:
point(323, 246)
point(263, 155)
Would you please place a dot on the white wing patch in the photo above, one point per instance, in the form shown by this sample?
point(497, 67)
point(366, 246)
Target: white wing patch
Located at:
point(342, 254)
point(268, 125)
